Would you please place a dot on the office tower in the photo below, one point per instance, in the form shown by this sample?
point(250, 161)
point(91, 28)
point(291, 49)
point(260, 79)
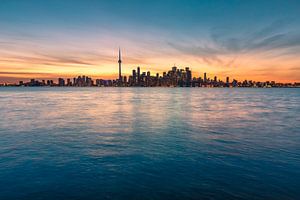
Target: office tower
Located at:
point(79, 81)
point(61, 82)
point(83, 80)
point(130, 81)
point(138, 76)
point(188, 77)
point(148, 79)
point(205, 78)
point(134, 76)
point(120, 67)
point(227, 81)
point(143, 77)
point(32, 82)
point(234, 83)
point(215, 79)
point(88, 81)
point(125, 79)
point(174, 69)
point(98, 82)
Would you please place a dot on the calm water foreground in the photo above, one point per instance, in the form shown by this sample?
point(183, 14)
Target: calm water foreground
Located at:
point(149, 143)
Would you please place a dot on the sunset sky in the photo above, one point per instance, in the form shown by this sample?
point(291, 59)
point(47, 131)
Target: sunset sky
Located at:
point(258, 40)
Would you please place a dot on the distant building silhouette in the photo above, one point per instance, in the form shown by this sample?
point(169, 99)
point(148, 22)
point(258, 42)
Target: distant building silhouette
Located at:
point(61, 82)
point(120, 67)
point(138, 76)
point(175, 77)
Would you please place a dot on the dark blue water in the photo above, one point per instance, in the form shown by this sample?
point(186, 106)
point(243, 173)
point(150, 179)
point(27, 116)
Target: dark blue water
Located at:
point(149, 143)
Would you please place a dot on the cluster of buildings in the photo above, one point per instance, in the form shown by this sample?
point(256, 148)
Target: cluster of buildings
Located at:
point(173, 78)
point(80, 81)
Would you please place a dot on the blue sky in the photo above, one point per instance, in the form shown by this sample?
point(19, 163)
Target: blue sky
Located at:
point(221, 37)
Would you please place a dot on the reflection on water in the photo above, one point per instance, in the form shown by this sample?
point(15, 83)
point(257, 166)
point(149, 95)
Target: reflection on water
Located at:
point(149, 143)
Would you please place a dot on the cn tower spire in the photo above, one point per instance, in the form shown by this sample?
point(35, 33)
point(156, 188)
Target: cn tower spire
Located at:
point(120, 66)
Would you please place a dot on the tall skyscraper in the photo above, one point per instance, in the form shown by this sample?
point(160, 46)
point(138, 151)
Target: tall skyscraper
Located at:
point(61, 82)
point(68, 82)
point(148, 79)
point(205, 78)
point(138, 76)
point(188, 77)
point(134, 76)
point(227, 81)
point(120, 66)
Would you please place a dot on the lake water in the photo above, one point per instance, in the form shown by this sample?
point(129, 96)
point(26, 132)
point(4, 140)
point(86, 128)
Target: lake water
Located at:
point(149, 143)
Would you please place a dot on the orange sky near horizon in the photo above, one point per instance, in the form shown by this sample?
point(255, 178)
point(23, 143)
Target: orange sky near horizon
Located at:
point(15, 66)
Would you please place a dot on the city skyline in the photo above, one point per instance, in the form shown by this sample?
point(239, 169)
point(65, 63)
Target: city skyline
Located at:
point(175, 77)
point(46, 40)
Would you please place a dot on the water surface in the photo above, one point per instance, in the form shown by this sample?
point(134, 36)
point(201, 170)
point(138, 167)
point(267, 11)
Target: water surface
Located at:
point(149, 143)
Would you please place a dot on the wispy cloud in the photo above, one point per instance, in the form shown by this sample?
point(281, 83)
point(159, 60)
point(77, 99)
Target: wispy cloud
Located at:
point(223, 42)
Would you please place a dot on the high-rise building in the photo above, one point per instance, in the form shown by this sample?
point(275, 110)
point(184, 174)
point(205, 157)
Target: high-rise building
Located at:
point(148, 79)
point(83, 81)
point(188, 77)
point(205, 78)
point(227, 81)
point(134, 76)
point(138, 76)
point(61, 82)
point(174, 69)
point(234, 83)
point(120, 66)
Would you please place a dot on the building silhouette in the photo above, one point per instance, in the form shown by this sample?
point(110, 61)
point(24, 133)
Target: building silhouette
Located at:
point(175, 77)
point(120, 67)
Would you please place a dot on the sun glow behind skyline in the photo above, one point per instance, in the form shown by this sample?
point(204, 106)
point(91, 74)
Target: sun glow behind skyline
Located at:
point(222, 39)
